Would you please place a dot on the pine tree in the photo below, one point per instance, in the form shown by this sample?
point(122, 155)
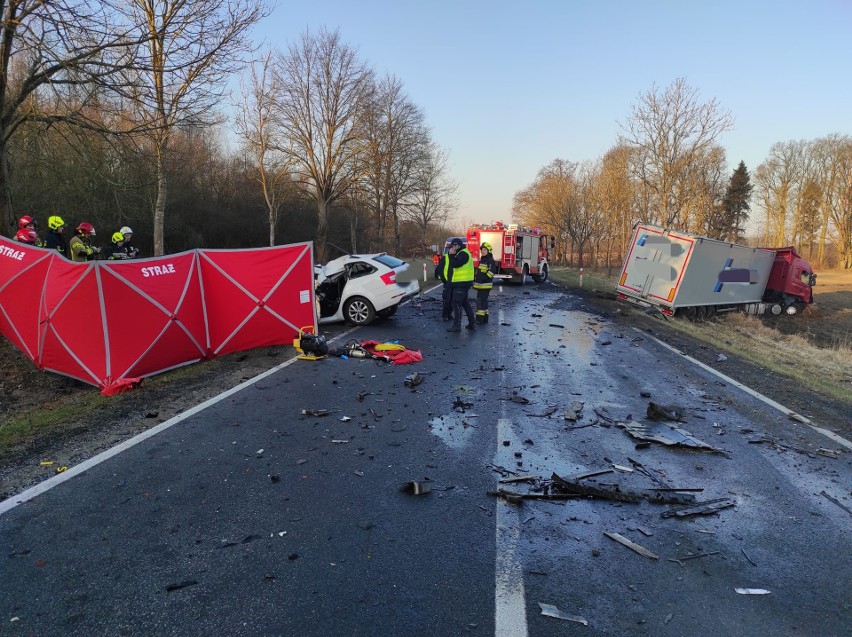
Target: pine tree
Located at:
point(736, 204)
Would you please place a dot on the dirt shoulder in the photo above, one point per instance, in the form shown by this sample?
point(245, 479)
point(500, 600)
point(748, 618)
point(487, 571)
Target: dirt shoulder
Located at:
point(87, 423)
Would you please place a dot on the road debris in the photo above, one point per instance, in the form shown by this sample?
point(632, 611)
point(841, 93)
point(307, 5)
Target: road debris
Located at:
point(664, 412)
point(413, 380)
point(563, 486)
point(344, 419)
point(556, 325)
point(179, 585)
point(631, 545)
point(700, 508)
point(549, 610)
point(315, 412)
point(836, 501)
point(828, 453)
point(515, 398)
point(752, 591)
point(751, 561)
point(665, 434)
point(459, 405)
point(416, 488)
point(575, 411)
point(551, 409)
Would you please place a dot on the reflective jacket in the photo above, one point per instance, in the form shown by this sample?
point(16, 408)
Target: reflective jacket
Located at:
point(80, 249)
point(484, 279)
point(461, 267)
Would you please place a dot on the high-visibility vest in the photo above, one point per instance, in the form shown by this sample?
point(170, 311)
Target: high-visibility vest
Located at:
point(464, 274)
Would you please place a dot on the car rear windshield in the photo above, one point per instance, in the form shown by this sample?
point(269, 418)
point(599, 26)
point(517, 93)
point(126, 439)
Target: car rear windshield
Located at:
point(391, 262)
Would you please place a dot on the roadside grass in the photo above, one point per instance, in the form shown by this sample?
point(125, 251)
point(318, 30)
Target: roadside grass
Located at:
point(825, 370)
point(41, 422)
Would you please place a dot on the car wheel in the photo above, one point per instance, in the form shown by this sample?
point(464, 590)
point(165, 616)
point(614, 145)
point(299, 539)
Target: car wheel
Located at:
point(388, 311)
point(359, 311)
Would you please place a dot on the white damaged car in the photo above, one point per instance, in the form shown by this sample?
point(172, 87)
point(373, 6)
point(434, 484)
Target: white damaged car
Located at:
point(358, 288)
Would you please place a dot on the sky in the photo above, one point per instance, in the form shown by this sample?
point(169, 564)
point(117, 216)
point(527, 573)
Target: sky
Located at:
point(507, 87)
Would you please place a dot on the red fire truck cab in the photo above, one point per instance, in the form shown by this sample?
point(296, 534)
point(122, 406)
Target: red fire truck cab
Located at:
point(522, 253)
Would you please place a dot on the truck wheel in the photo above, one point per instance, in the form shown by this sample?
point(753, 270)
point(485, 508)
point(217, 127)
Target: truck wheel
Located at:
point(525, 275)
point(359, 311)
point(540, 277)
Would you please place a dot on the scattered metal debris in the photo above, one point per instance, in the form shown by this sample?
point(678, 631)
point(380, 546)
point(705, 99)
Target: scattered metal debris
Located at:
point(315, 412)
point(548, 610)
point(752, 591)
point(631, 545)
point(551, 409)
point(665, 434)
point(828, 453)
point(575, 411)
point(515, 398)
point(413, 380)
point(565, 486)
point(700, 508)
point(836, 501)
point(664, 412)
point(459, 405)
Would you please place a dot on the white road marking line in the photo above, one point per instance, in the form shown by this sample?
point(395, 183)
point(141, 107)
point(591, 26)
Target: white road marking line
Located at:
point(510, 617)
point(510, 605)
point(784, 410)
point(59, 478)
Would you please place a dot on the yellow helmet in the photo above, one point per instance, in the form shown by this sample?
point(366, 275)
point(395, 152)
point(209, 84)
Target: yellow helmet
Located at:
point(117, 236)
point(485, 245)
point(55, 222)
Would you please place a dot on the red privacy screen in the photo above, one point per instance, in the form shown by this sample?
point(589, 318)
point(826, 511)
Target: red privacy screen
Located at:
point(112, 323)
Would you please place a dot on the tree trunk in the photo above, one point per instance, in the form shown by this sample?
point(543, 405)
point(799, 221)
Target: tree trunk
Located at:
point(6, 192)
point(353, 229)
point(160, 205)
point(322, 229)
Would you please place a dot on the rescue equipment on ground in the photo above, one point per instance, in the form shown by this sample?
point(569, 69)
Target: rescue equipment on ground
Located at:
point(312, 346)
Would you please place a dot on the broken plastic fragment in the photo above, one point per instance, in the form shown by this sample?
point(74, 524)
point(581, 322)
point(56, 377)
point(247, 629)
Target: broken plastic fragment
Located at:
point(549, 610)
point(345, 419)
point(416, 488)
point(752, 591)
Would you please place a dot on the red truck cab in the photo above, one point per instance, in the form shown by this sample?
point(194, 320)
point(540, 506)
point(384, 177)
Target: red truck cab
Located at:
point(792, 278)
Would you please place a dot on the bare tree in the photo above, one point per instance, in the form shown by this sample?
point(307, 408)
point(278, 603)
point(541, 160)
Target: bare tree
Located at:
point(671, 132)
point(56, 60)
point(395, 142)
point(322, 88)
point(192, 47)
point(256, 126)
point(433, 199)
point(776, 183)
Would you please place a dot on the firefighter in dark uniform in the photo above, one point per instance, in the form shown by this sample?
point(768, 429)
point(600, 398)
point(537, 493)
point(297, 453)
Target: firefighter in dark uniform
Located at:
point(442, 266)
point(54, 240)
point(460, 275)
point(484, 281)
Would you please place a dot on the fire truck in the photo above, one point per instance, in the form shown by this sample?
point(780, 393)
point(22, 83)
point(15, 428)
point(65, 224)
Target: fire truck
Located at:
point(521, 253)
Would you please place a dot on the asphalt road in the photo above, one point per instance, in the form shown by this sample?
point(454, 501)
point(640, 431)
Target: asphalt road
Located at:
point(250, 518)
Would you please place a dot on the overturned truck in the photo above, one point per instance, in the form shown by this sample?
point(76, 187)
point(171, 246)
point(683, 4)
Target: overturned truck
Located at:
point(696, 277)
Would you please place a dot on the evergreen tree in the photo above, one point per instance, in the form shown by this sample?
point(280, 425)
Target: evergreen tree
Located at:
point(736, 204)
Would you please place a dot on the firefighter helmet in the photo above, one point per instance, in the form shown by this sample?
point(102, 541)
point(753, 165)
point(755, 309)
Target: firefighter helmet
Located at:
point(485, 246)
point(25, 221)
point(27, 235)
point(86, 229)
point(117, 237)
point(55, 222)
point(126, 230)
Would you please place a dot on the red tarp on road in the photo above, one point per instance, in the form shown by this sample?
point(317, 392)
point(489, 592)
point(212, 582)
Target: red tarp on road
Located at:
point(110, 323)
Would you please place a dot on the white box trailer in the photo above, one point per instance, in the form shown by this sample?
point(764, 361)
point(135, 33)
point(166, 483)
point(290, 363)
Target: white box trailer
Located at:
point(670, 270)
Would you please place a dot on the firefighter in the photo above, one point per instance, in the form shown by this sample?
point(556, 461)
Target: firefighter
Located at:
point(116, 251)
point(80, 246)
point(54, 240)
point(442, 273)
point(130, 249)
point(460, 276)
point(27, 231)
point(484, 281)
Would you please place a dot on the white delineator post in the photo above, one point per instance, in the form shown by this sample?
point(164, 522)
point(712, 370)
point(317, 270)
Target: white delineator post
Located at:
point(581, 277)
